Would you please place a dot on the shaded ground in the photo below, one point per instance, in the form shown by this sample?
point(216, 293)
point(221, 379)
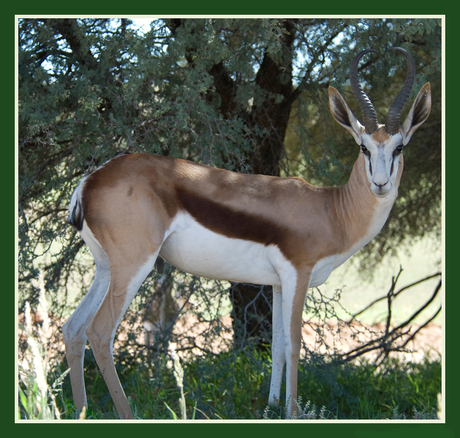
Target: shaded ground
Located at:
point(194, 335)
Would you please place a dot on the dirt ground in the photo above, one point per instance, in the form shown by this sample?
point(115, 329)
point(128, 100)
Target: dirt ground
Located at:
point(339, 338)
point(427, 341)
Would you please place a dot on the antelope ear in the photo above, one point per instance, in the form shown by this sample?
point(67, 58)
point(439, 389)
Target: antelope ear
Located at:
point(418, 113)
point(343, 115)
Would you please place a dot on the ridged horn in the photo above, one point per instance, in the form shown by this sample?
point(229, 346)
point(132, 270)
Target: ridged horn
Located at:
point(369, 114)
point(394, 114)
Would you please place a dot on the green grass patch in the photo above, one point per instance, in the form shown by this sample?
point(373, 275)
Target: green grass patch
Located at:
point(235, 385)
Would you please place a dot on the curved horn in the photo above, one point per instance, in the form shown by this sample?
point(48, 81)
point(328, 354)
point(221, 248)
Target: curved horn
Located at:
point(394, 114)
point(369, 114)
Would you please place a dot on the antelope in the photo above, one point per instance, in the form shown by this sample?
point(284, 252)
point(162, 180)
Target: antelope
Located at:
point(224, 225)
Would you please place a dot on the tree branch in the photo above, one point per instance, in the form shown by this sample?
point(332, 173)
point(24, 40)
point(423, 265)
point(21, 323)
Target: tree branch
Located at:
point(305, 81)
point(395, 295)
point(76, 39)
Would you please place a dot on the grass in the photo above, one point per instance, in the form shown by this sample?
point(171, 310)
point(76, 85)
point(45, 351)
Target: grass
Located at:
point(235, 385)
point(37, 395)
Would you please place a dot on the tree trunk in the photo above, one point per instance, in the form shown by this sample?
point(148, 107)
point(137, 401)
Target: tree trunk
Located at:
point(252, 313)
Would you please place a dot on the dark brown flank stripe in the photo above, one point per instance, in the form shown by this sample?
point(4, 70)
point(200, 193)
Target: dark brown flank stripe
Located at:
point(234, 224)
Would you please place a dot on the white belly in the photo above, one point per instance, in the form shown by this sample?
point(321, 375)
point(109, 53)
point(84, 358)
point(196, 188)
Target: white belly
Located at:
point(195, 249)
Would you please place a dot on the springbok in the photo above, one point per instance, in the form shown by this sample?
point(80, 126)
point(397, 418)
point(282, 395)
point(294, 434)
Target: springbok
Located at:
point(231, 226)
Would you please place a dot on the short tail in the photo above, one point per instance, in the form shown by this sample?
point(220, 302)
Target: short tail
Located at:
point(76, 213)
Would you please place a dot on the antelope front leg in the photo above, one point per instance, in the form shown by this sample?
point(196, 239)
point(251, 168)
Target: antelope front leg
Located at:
point(293, 303)
point(278, 356)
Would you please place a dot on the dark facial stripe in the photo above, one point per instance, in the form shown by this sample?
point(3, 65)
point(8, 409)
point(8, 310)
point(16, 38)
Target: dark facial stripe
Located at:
point(395, 156)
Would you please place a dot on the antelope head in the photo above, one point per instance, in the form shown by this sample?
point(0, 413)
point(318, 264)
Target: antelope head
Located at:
point(382, 145)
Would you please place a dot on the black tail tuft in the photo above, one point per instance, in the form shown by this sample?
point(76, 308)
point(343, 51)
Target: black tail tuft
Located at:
point(76, 216)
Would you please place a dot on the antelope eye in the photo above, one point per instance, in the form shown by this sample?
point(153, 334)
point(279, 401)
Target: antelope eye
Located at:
point(398, 150)
point(365, 150)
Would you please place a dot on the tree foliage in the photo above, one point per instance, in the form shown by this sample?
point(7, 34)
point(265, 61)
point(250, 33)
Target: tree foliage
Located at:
point(248, 95)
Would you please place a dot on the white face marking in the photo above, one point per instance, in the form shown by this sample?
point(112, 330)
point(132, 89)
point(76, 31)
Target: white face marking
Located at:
point(382, 162)
point(195, 249)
